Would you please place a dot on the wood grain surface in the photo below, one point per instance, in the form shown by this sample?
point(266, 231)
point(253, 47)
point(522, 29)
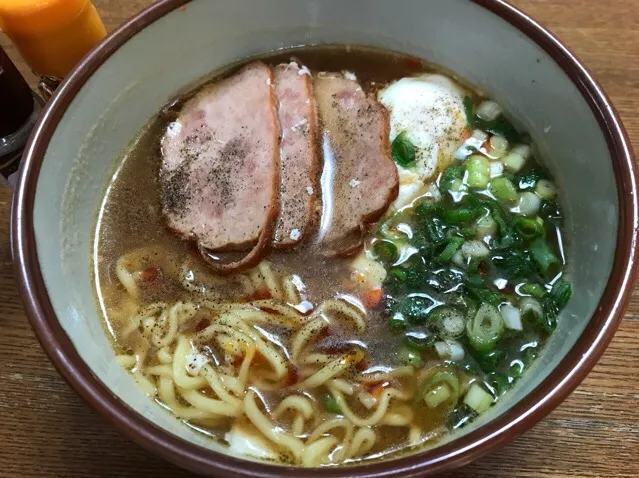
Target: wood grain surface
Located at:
point(47, 431)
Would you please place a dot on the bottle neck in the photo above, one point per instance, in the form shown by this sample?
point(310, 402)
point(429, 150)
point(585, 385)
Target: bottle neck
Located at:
point(12, 145)
point(16, 100)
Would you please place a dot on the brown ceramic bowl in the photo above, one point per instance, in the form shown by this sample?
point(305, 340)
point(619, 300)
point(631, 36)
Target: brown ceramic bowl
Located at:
point(126, 80)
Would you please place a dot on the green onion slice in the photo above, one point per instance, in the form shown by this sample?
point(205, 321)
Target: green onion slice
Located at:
point(485, 329)
point(441, 385)
point(403, 151)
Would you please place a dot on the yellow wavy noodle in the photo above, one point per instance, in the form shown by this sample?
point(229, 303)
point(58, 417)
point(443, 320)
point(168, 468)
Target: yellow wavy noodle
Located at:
point(126, 361)
point(268, 429)
point(316, 453)
point(291, 292)
point(217, 373)
point(363, 441)
point(302, 408)
point(356, 316)
point(340, 452)
point(332, 369)
point(306, 334)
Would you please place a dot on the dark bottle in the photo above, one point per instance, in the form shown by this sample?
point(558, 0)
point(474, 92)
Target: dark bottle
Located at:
point(19, 110)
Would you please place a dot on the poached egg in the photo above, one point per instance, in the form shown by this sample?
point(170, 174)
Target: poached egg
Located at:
point(429, 108)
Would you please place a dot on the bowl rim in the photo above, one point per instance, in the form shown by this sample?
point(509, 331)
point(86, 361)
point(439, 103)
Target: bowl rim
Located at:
point(532, 408)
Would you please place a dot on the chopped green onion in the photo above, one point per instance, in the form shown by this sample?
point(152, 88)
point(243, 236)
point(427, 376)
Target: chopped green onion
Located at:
point(516, 265)
point(529, 204)
point(399, 273)
point(385, 251)
point(496, 169)
point(441, 385)
point(488, 110)
point(437, 396)
point(398, 322)
point(545, 189)
point(477, 290)
point(504, 190)
point(529, 228)
point(435, 230)
point(416, 309)
point(449, 177)
point(561, 293)
point(418, 341)
point(410, 356)
point(485, 329)
point(498, 145)
point(486, 226)
point(403, 151)
point(450, 350)
point(511, 316)
point(543, 255)
point(500, 126)
point(453, 245)
point(330, 404)
point(532, 289)
point(425, 209)
point(474, 250)
point(449, 320)
point(478, 399)
point(517, 157)
point(530, 309)
point(490, 361)
point(528, 180)
point(478, 168)
point(469, 110)
point(458, 216)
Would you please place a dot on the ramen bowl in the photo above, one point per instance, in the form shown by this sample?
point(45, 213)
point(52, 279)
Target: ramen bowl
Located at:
point(166, 48)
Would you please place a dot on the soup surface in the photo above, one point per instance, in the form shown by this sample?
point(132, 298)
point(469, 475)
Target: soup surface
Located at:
point(314, 358)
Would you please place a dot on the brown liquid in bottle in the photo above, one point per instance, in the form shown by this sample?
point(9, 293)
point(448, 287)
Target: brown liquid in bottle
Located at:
point(19, 108)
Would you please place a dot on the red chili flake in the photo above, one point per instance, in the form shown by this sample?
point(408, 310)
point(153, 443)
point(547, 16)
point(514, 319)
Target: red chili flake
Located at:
point(202, 324)
point(150, 274)
point(413, 63)
point(508, 289)
point(183, 9)
point(270, 311)
point(482, 268)
point(237, 361)
point(193, 250)
point(325, 332)
point(293, 375)
point(376, 388)
point(258, 358)
point(260, 294)
point(361, 365)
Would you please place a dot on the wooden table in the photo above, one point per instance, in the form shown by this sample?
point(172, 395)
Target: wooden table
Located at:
point(46, 430)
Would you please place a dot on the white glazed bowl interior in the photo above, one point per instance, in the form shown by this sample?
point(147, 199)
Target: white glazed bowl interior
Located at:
point(183, 46)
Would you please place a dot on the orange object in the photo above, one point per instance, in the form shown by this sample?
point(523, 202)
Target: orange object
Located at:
point(373, 298)
point(51, 35)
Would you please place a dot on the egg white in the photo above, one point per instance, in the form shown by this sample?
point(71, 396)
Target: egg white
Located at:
point(430, 109)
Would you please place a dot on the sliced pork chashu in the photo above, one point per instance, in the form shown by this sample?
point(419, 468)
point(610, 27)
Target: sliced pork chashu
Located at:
point(298, 155)
point(359, 174)
point(220, 172)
